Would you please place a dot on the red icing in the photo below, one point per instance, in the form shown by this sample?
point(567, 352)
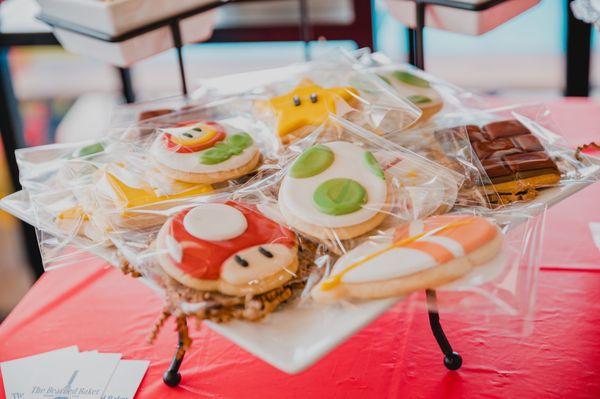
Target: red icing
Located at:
point(203, 259)
point(195, 148)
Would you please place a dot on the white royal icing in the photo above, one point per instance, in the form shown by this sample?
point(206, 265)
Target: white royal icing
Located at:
point(397, 262)
point(394, 263)
point(174, 249)
point(296, 195)
point(453, 246)
point(215, 222)
point(190, 161)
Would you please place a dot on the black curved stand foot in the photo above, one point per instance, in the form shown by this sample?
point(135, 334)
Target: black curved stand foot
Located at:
point(172, 378)
point(452, 360)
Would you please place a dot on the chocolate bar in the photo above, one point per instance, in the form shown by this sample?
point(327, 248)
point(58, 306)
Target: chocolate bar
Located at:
point(509, 152)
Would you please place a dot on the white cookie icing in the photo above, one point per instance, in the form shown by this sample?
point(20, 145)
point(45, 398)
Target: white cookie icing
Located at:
point(296, 195)
point(174, 249)
point(190, 161)
point(394, 263)
point(215, 222)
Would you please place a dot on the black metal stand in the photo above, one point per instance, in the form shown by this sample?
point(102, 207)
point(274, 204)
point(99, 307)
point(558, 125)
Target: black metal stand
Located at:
point(579, 37)
point(416, 54)
point(172, 377)
point(452, 360)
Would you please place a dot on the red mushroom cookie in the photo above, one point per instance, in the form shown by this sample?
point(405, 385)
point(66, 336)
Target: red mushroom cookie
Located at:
point(204, 152)
point(231, 248)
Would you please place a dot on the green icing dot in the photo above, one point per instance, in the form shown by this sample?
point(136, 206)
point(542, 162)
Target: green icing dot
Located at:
point(410, 79)
point(340, 196)
point(313, 161)
point(91, 149)
point(374, 165)
point(231, 146)
point(418, 99)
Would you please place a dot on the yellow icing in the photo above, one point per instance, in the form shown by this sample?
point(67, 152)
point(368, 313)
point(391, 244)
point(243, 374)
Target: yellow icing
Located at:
point(209, 133)
point(334, 281)
point(291, 117)
point(75, 212)
point(134, 197)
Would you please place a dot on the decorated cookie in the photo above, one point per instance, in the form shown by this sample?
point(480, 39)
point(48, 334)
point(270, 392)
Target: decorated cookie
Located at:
point(417, 255)
point(416, 90)
point(334, 191)
point(204, 152)
point(119, 191)
point(306, 107)
point(230, 248)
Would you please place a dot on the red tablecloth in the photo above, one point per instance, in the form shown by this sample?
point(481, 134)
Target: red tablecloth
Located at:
point(555, 355)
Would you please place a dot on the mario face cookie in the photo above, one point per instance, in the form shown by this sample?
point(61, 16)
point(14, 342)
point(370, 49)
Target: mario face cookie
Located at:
point(417, 255)
point(204, 152)
point(230, 248)
point(334, 191)
point(308, 106)
point(416, 90)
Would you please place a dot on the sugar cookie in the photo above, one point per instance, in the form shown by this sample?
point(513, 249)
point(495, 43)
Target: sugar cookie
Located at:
point(119, 192)
point(334, 191)
point(417, 90)
point(204, 152)
point(230, 248)
point(417, 255)
point(307, 106)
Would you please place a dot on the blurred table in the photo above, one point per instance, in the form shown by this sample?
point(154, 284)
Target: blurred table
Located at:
point(554, 355)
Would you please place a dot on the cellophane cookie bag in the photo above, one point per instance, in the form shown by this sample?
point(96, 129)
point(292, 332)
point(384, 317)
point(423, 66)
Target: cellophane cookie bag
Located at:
point(295, 100)
point(432, 95)
point(518, 149)
point(379, 246)
point(49, 175)
point(242, 254)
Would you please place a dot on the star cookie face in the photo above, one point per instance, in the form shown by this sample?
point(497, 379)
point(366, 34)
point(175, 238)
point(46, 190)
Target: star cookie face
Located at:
point(308, 105)
point(388, 266)
point(204, 152)
point(333, 185)
point(231, 248)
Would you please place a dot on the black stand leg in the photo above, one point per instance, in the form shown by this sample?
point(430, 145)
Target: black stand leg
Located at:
point(127, 85)
point(418, 56)
point(172, 377)
point(178, 46)
point(305, 28)
point(12, 138)
point(579, 36)
point(452, 360)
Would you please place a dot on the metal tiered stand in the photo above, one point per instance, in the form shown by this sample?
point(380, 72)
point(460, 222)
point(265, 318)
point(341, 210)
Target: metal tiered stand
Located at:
point(172, 376)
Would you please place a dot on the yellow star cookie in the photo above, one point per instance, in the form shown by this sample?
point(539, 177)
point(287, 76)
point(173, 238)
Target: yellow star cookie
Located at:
point(133, 197)
point(308, 105)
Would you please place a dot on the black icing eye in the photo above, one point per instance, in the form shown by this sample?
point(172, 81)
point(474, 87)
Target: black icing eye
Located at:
point(265, 252)
point(314, 98)
point(241, 261)
point(296, 101)
point(186, 134)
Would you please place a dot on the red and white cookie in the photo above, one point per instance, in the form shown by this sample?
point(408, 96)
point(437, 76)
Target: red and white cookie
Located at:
point(231, 248)
point(204, 152)
point(417, 255)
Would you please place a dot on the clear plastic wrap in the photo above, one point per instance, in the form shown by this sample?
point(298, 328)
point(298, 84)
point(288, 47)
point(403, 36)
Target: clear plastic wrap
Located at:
point(430, 94)
point(297, 99)
point(85, 190)
point(511, 155)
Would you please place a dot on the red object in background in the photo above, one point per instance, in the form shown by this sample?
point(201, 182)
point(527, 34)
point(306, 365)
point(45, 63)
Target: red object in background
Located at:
point(555, 355)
